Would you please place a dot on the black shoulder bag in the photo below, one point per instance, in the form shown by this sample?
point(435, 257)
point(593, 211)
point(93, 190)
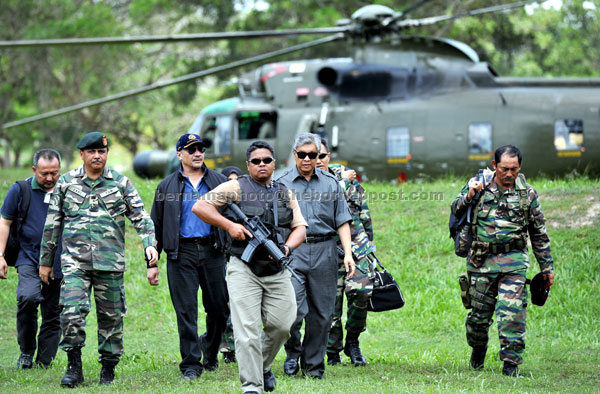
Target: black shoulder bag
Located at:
point(12, 245)
point(386, 294)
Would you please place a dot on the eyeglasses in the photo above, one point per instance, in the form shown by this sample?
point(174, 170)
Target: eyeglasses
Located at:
point(192, 149)
point(257, 161)
point(302, 155)
point(323, 155)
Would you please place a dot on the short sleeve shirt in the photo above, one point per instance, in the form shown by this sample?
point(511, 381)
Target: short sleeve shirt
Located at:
point(321, 199)
point(33, 226)
point(231, 192)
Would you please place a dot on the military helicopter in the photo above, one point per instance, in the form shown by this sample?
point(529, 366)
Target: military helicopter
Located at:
point(396, 107)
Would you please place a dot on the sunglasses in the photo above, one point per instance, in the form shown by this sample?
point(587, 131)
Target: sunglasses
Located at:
point(192, 149)
point(257, 161)
point(302, 155)
point(323, 155)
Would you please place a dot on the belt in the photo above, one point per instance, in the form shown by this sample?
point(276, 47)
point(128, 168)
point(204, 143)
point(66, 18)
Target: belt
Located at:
point(515, 244)
point(313, 239)
point(195, 240)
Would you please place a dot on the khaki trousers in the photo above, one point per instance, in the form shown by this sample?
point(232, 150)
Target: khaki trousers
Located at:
point(269, 301)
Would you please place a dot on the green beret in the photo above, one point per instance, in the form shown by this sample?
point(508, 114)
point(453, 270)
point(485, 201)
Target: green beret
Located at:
point(93, 140)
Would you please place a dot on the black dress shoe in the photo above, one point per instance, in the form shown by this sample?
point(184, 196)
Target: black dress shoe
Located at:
point(316, 376)
point(478, 358)
point(191, 374)
point(333, 358)
point(269, 380)
point(290, 366)
point(25, 361)
point(352, 350)
point(210, 362)
point(510, 369)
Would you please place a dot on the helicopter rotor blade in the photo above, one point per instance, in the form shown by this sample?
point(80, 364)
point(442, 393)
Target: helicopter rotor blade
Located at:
point(172, 37)
point(413, 7)
point(408, 23)
point(183, 78)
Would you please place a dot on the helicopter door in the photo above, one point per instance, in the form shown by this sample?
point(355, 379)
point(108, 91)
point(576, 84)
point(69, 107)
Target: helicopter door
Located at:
point(251, 126)
point(218, 130)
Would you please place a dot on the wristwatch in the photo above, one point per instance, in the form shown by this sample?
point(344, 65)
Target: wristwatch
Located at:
point(2, 254)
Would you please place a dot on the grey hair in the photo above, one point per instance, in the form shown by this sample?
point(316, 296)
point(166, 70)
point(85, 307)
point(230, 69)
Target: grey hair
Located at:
point(307, 139)
point(46, 154)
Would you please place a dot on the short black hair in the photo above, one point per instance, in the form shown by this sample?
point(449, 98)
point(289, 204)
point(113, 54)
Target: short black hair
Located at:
point(258, 145)
point(46, 154)
point(510, 150)
point(324, 143)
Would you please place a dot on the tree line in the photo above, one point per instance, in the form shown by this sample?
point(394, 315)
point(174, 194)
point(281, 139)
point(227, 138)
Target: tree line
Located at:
point(544, 42)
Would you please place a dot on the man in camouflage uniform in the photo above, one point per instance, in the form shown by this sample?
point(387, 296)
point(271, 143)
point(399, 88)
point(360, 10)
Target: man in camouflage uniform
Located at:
point(358, 289)
point(90, 203)
point(497, 261)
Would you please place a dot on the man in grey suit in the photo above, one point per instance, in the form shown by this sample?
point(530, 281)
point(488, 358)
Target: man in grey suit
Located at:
point(324, 208)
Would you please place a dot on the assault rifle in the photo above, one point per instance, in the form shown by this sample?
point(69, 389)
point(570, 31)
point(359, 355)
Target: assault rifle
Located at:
point(260, 237)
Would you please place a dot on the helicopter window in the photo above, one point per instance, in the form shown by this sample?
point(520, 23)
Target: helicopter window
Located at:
point(480, 138)
point(568, 134)
point(398, 142)
point(256, 125)
point(217, 130)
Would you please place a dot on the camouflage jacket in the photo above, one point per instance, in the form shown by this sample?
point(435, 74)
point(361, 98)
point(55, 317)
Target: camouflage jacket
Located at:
point(501, 220)
point(361, 226)
point(93, 214)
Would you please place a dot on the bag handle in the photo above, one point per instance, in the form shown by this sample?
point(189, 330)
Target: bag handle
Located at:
point(379, 262)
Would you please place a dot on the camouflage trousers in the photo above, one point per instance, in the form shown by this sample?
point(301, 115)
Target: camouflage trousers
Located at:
point(358, 291)
point(109, 294)
point(227, 341)
point(506, 294)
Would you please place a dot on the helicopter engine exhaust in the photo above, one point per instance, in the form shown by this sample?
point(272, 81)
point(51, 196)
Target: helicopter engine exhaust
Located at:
point(151, 164)
point(327, 76)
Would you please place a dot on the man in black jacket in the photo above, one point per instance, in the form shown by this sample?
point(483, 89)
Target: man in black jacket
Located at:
point(192, 258)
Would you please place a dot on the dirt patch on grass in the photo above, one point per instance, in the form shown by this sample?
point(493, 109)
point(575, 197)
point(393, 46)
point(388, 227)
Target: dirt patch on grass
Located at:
point(584, 214)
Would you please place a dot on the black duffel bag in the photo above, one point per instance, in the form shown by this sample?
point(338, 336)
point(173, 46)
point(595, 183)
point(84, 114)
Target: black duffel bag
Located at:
point(386, 294)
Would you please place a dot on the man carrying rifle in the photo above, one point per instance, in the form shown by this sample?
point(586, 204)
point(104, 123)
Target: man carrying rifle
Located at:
point(508, 210)
point(260, 291)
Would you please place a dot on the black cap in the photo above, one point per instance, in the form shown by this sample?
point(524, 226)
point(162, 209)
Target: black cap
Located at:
point(188, 140)
point(231, 170)
point(93, 140)
point(539, 290)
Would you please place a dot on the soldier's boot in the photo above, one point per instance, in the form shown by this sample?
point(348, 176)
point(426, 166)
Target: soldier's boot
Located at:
point(107, 373)
point(74, 375)
point(510, 369)
point(333, 358)
point(229, 357)
point(352, 350)
point(478, 358)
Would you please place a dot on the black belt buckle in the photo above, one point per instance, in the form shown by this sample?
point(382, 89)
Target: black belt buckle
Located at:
point(313, 239)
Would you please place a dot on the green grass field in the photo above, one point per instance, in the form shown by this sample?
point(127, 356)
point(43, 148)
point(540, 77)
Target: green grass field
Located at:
point(419, 348)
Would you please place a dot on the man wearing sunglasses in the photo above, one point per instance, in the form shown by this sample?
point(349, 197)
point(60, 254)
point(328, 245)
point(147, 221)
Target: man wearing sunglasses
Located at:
point(192, 258)
point(507, 214)
point(358, 289)
point(260, 292)
point(324, 207)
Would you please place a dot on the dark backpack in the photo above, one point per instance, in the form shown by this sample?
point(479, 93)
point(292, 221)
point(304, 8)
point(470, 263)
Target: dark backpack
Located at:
point(461, 229)
point(12, 245)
